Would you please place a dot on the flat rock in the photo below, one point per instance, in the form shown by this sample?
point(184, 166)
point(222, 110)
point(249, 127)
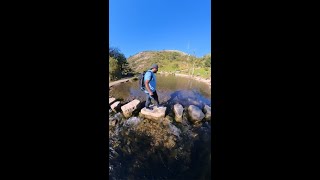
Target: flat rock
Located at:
point(195, 114)
point(111, 100)
point(178, 111)
point(115, 106)
point(207, 110)
point(155, 114)
point(128, 108)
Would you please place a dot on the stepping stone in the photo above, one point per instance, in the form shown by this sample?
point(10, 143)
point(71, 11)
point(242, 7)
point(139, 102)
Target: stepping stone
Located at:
point(156, 114)
point(115, 106)
point(195, 113)
point(111, 100)
point(128, 108)
point(178, 111)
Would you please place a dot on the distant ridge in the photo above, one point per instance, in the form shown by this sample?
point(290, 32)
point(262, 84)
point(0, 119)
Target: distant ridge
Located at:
point(170, 61)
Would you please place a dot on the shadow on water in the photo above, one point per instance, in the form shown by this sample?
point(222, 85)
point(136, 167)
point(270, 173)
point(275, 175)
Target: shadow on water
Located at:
point(165, 150)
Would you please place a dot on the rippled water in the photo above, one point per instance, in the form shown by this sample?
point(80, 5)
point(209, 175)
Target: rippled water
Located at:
point(143, 149)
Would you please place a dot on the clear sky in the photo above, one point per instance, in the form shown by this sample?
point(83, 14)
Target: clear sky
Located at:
point(141, 25)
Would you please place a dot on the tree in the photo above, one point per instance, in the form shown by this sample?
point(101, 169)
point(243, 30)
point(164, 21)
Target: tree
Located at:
point(207, 60)
point(114, 69)
point(116, 54)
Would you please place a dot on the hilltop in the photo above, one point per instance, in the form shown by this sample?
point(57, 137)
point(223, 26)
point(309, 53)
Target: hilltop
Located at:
point(172, 61)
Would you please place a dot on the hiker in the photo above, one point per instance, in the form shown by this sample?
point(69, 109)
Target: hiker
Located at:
point(151, 85)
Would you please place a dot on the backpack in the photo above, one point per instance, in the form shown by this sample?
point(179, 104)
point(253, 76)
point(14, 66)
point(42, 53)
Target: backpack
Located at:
point(141, 80)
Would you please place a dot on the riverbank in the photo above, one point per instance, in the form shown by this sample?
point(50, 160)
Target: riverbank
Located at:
point(120, 81)
point(206, 81)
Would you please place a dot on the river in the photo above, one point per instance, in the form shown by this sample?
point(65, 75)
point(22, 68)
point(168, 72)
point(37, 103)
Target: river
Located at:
point(142, 149)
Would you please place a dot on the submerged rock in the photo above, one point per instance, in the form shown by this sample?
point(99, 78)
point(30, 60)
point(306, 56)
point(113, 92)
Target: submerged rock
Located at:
point(196, 115)
point(207, 110)
point(155, 114)
point(133, 121)
point(174, 130)
point(178, 111)
point(127, 109)
point(118, 116)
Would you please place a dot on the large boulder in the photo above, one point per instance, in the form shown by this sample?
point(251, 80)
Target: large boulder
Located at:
point(115, 106)
point(111, 100)
point(207, 110)
point(196, 115)
point(178, 111)
point(156, 114)
point(128, 108)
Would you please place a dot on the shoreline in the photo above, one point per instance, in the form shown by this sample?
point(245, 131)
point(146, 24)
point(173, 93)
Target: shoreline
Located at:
point(206, 81)
point(119, 81)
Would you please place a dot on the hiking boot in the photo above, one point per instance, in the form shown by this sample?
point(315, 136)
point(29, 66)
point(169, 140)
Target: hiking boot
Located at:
point(149, 108)
point(159, 106)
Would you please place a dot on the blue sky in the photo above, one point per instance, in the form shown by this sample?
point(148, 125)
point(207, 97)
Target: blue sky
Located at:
point(140, 25)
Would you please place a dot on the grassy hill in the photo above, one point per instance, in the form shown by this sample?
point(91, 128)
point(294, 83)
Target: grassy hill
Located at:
point(172, 61)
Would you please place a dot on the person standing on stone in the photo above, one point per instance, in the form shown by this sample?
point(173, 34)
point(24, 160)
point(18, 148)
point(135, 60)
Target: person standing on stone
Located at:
point(151, 85)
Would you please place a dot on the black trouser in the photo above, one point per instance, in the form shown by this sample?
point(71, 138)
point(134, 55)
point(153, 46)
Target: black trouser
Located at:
point(154, 97)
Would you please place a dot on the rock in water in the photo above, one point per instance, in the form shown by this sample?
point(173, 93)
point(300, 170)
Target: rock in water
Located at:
point(111, 100)
point(133, 121)
point(127, 109)
point(115, 106)
point(178, 111)
point(174, 130)
point(207, 110)
point(155, 114)
point(195, 114)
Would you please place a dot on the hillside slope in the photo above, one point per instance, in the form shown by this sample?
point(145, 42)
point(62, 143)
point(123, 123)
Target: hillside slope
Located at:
point(171, 61)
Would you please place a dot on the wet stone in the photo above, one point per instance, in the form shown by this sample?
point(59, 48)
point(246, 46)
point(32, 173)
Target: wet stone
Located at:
point(207, 110)
point(156, 114)
point(178, 111)
point(195, 114)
